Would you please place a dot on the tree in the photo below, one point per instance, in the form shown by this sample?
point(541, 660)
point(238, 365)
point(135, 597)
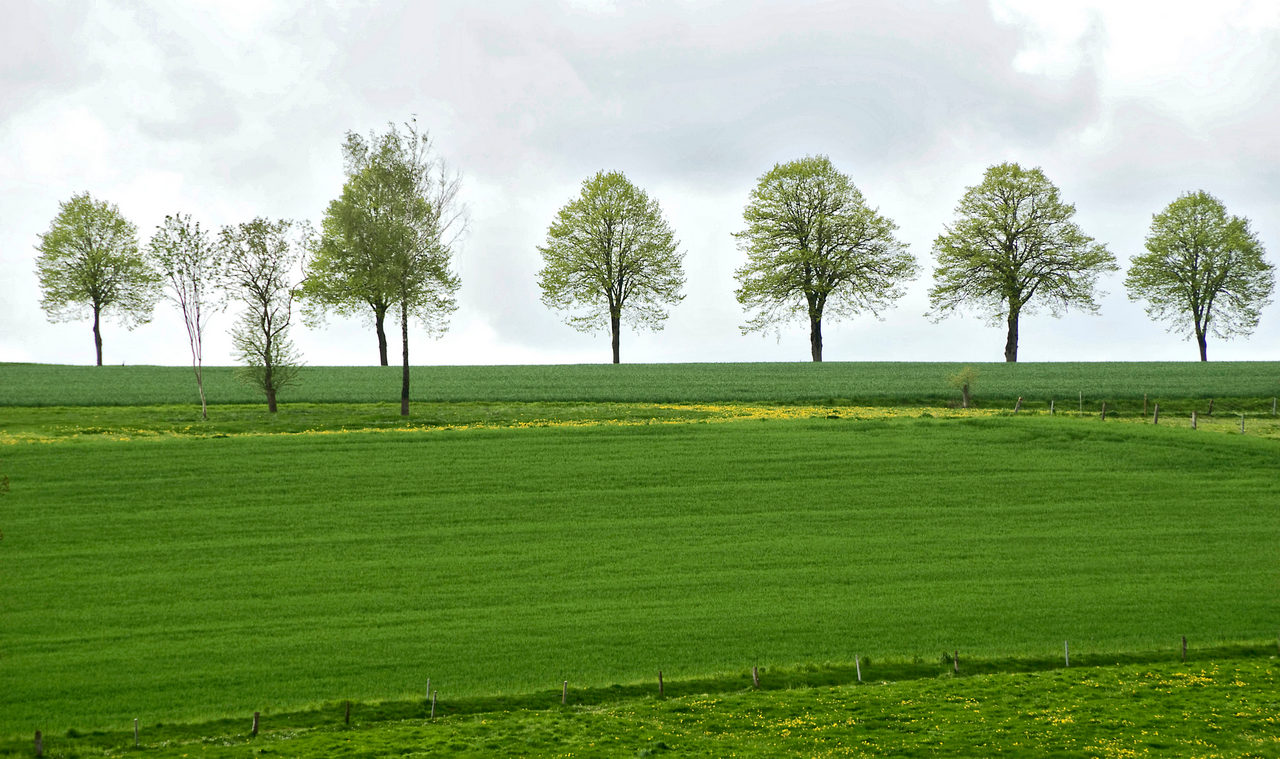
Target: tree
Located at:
point(261, 260)
point(89, 261)
point(386, 242)
point(611, 257)
point(1013, 246)
point(815, 248)
point(1204, 265)
point(192, 265)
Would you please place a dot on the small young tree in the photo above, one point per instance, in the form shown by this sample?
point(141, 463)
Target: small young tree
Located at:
point(815, 249)
point(610, 257)
point(261, 263)
point(1204, 271)
point(89, 261)
point(193, 267)
point(963, 381)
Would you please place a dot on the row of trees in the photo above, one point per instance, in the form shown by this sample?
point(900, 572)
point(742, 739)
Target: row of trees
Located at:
point(814, 249)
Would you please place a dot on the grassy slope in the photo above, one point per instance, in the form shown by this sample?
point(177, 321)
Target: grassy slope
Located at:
point(1223, 707)
point(189, 578)
point(879, 383)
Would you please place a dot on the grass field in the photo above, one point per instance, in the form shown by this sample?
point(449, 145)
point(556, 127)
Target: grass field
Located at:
point(1204, 708)
point(187, 578)
point(1238, 386)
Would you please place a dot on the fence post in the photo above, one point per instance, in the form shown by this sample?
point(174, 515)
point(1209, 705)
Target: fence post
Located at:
point(1050, 407)
point(1104, 411)
point(1193, 420)
point(1155, 418)
point(347, 719)
point(1066, 652)
point(135, 732)
point(1184, 648)
point(858, 666)
point(1210, 411)
point(660, 691)
point(1242, 424)
point(39, 744)
point(255, 723)
point(755, 677)
point(1017, 406)
point(564, 693)
point(955, 661)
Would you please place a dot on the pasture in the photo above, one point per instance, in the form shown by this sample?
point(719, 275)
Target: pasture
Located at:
point(1238, 386)
point(186, 578)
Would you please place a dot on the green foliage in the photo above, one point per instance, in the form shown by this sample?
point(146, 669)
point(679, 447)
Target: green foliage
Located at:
point(610, 257)
point(963, 381)
point(1122, 384)
point(1012, 247)
point(502, 561)
point(387, 240)
point(1204, 272)
point(89, 265)
point(261, 263)
point(815, 248)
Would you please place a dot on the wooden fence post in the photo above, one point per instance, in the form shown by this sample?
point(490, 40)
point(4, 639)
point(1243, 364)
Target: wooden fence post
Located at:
point(135, 732)
point(1104, 411)
point(1017, 406)
point(1050, 407)
point(39, 744)
point(660, 691)
point(564, 693)
point(255, 723)
point(1184, 648)
point(1155, 417)
point(433, 704)
point(955, 661)
point(1242, 424)
point(755, 677)
point(347, 719)
point(1066, 652)
point(1210, 411)
point(858, 666)
point(1193, 420)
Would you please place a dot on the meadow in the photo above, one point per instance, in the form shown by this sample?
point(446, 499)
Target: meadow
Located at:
point(1238, 386)
point(186, 578)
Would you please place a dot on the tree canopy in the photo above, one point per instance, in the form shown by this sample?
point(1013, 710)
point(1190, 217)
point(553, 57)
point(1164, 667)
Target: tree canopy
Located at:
point(1013, 246)
point(1204, 271)
point(611, 258)
point(89, 264)
point(815, 249)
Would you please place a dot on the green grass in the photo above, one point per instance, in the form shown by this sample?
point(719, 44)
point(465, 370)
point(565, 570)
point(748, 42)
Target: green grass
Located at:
point(1219, 706)
point(183, 579)
point(1238, 386)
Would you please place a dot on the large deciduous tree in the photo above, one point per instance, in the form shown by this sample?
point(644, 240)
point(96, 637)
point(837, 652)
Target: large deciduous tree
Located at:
point(262, 259)
point(1202, 267)
point(815, 249)
point(191, 263)
point(1012, 247)
point(610, 257)
point(89, 262)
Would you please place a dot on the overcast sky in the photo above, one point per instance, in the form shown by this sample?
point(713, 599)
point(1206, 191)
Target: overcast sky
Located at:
point(230, 110)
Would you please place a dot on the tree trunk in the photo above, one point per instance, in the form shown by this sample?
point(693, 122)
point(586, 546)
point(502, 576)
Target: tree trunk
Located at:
point(97, 333)
point(271, 399)
point(1011, 342)
point(1203, 343)
point(379, 319)
point(404, 341)
point(204, 406)
point(815, 338)
point(617, 333)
